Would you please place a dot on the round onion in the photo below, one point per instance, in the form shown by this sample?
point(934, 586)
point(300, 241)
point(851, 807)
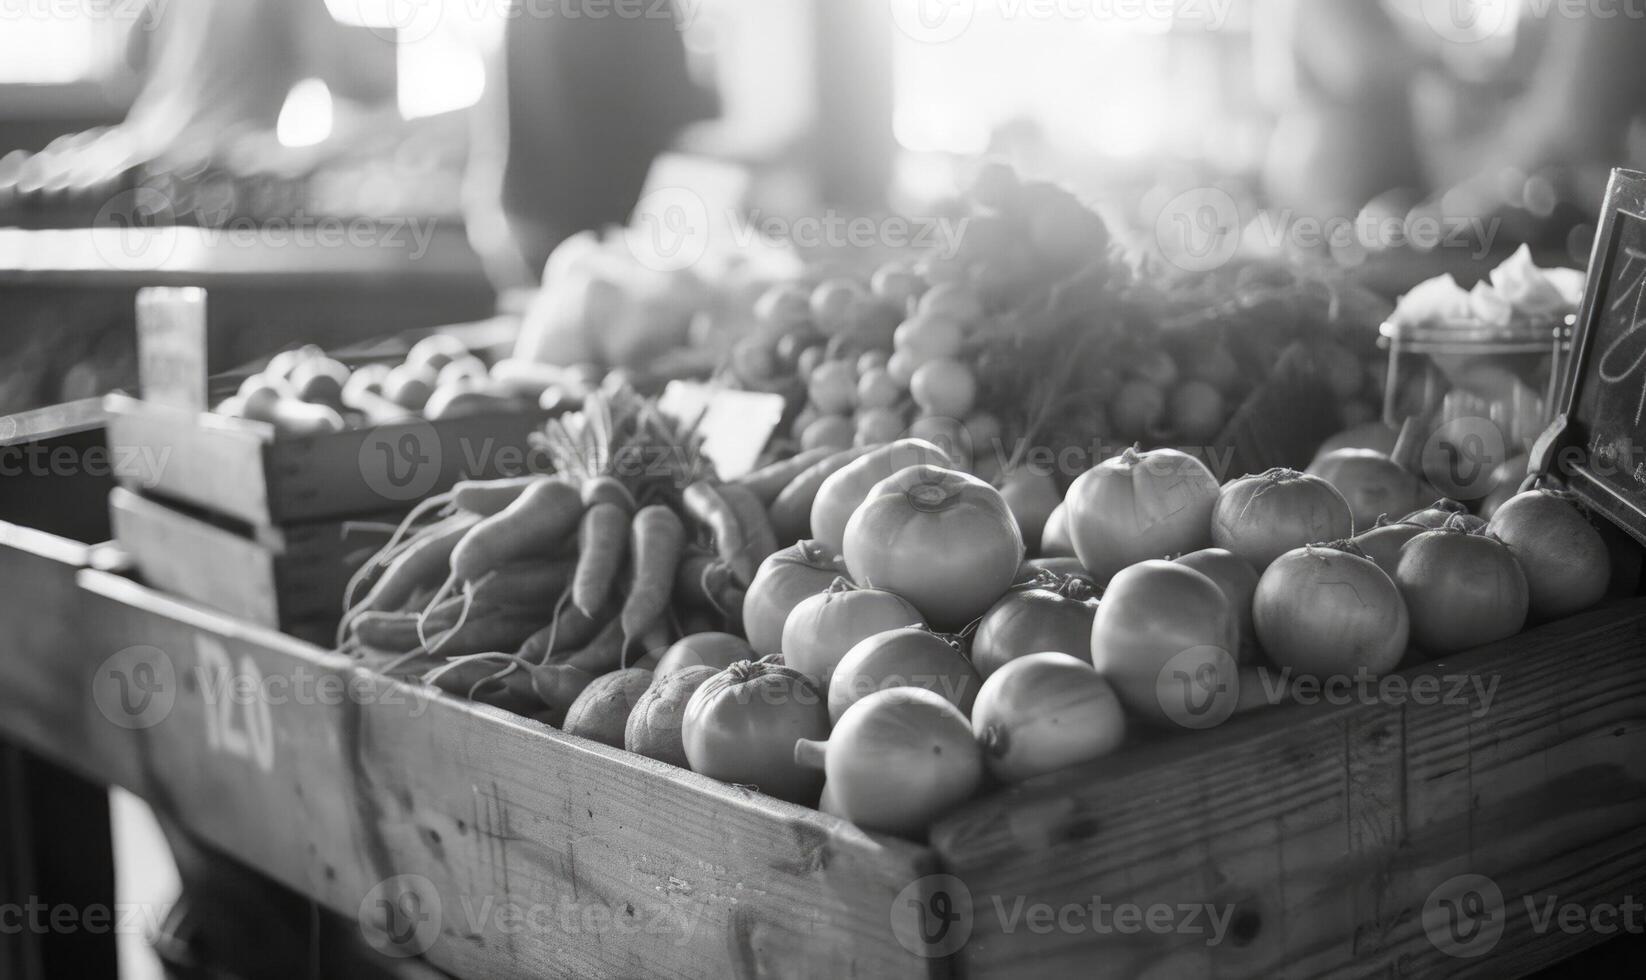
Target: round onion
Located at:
point(1048, 614)
point(1238, 580)
point(1440, 514)
point(823, 629)
point(899, 659)
point(740, 727)
point(1565, 559)
point(1463, 590)
point(1382, 544)
point(1055, 541)
point(1262, 517)
point(1139, 506)
point(1324, 612)
point(785, 578)
point(1045, 712)
point(897, 761)
point(1032, 498)
point(1374, 485)
point(717, 650)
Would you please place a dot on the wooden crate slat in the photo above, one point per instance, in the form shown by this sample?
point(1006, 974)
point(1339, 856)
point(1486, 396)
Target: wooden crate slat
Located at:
point(334, 798)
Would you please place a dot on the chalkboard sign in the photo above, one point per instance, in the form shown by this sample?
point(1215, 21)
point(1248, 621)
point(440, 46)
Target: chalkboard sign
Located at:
point(1597, 446)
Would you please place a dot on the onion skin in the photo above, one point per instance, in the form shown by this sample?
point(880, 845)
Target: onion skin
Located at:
point(898, 659)
point(740, 727)
point(1463, 591)
point(841, 494)
point(1373, 485)
point(783, 580)
point(1038, 618)
point(1567, 566)
point(1045, 712)
point(1140, 506)
point(823, 629)
point(1032, 498)
point(1383, 544)
point(897, 761)
point(1442, 513)
point(1327, 613)
point(1160, 618)
point(1054, 540)
point(1262, 517)
point(1238, 580)
point(943, 540)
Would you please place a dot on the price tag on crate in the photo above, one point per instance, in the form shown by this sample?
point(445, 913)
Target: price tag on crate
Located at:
point(735, 425)
point(1597, 444)
point(171, 346)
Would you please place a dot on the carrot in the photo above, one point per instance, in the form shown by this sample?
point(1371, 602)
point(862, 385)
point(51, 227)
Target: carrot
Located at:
point(602, 655)
point(558, 686)
point(487, 498)
point(569, 630)
point(533, 526)
point(766, 483)
point(656, 542)
point(709, 508)
point(484, 632)
point(602, 545)
point(609, 490)
point(396, 631)
point(792, 510)
point(525, 584)
point(759, 540)
point(368, 574)
point(423, 561)
point(690, 588)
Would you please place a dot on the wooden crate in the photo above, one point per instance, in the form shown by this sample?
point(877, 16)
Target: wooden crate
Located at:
point(629, 867)
point(1324, 830)
point(238, 468)
point(290, 578)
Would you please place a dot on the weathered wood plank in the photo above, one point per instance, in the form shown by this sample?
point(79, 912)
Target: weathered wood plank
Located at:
point(548, 856)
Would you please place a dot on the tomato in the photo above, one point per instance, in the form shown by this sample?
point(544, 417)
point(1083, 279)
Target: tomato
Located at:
point(823, 628)
point(1055, 540)
point(1463, 591)
point(1371, 483)
point(1032, 498)
point(782, 581)
point(944, 387)
point(901, 659)
point(1045, 712)
point(1262, 517)
point(897, 761)
point(1238, 580)
point(944, 540)
point(741, 727)
point(843, 491)
point(1565, 560)
point(1327, 613)
point(1139, 506)
point(1046, 615)
point(1382, 544)
point(1165, 636)
point(717, 650)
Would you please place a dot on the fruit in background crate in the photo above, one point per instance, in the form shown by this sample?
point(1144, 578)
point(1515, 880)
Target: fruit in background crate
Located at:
point(1197, 412)
point(320, 380)
point(410, 386)
point(877, 426)
point(1047, 614)
point(833, 387)
point(1138, 411)
point(435, 352)
point(944, 387)
point(897, 761)
point(828, 432)
point(1045, 712)
point(1463, 590)
point(901, 659)
point(1139, 506)
point(1238, 580)
point(1505, 481)
point(1371, 483)
point(742, 724)
point(1166, 637)
point(1564, 558)
point(1262, 517)
point(467, 369)
point(1324, 612)
point(943, 540)
point(1374, 436)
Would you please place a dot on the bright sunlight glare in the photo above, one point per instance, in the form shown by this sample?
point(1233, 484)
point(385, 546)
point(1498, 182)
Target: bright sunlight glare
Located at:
point(306, 118)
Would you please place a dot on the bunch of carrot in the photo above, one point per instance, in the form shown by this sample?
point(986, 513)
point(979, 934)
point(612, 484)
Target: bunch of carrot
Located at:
point(520, 592)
